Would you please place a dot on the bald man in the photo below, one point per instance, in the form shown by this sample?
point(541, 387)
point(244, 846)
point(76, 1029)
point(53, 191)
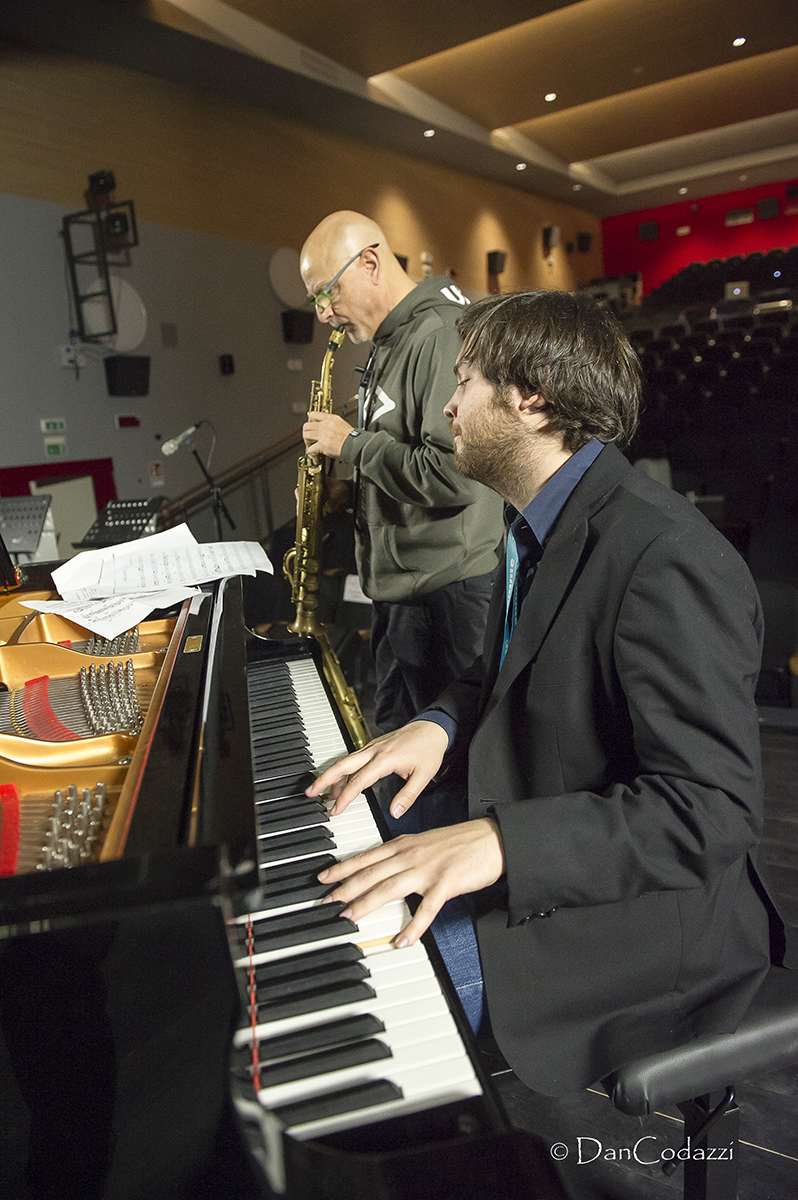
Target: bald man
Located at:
point(426, 537)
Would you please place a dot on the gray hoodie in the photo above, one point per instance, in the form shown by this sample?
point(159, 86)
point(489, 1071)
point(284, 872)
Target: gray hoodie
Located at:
point(419, 524)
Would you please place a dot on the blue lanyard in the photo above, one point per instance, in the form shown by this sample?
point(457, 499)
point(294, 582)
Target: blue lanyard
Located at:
point(512, 592)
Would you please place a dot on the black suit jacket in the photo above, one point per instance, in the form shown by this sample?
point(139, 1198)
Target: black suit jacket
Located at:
point(618, 750)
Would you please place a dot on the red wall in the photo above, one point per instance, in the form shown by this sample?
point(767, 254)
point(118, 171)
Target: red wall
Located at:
point(14, 480)
point(708, 238)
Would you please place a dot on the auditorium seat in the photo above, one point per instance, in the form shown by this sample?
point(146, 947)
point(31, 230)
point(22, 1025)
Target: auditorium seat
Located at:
point(708, 325)
point(759, 347)
point(677, 332)
point(717, 352)
point(779, 318)
point(681, 359)
point(696, 341)
point(747, 373)
point(744, 321)
point(734, 338)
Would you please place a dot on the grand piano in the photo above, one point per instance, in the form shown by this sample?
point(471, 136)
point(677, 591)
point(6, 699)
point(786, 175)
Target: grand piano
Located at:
point(179, 1017)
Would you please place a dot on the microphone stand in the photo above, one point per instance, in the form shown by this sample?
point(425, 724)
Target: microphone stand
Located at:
point(218, 503)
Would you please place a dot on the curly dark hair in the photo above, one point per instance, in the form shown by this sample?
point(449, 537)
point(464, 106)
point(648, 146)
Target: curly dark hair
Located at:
point(565, 347)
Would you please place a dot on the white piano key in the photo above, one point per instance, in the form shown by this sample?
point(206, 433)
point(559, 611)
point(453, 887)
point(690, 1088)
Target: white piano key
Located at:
point(416, 1065)
point(385, 924)
point(429, 1060)
point(391, 1005)
point(453, 1080)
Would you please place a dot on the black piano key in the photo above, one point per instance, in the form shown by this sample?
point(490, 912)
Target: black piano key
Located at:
point(290, 883)
point(300, 782)
point(285, 718)
point(267, 793)
point(290, 785)
point(285, 845)
point(277, 708)
point(296, 819)
point(331, 1033)
point(278, 732)
point(296, 929)
point(315, 1000)
point(303, 965)
point(274, 810)
point(272, 772)
point(296, 985)
point(332, 1104)
point(264, 742)
point(322, 1064)
point(301, 871)
point(288, 805)
point(265, 766)
point(295, 895)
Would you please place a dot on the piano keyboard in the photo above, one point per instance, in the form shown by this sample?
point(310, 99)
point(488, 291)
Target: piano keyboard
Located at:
point(345, 1029)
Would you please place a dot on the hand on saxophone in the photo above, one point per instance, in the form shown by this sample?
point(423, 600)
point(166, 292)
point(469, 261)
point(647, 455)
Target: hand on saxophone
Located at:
point(325, 433)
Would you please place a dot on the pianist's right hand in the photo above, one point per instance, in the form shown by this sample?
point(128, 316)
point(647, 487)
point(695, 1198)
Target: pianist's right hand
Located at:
point(414, 752)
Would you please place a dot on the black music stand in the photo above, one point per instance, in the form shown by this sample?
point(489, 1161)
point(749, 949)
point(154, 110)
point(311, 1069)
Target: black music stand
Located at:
point(22, 520)
point(217, 502)
point(9, 576)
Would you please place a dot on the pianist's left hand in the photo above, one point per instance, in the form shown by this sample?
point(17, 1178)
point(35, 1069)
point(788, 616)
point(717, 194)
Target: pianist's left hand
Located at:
point(435, 865)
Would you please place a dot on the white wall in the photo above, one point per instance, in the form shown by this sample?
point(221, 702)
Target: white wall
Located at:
point(215, 290)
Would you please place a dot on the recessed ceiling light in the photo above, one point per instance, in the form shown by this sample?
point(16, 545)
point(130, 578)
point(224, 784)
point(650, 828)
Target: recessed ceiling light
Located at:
point(550, 96)
point(682, 191)
point(743, 178)
point(520, 166)
point(738, 42)
point(429, 133)
point(577, 187)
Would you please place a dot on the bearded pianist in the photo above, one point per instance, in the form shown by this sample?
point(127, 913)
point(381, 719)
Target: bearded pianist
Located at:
point(612, 793)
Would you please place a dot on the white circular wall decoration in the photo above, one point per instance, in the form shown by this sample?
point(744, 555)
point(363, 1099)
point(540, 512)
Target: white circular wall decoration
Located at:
point(285, 279)
point(131, 315)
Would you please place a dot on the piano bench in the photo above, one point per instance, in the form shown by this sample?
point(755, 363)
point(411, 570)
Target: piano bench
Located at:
point(699, 1079)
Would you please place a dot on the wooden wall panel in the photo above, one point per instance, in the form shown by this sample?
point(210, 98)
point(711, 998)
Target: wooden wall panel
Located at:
point(209, 164)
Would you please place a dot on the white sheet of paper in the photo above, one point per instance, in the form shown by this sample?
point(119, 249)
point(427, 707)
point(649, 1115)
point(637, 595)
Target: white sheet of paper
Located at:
point(112, 615)
point(80, 575)
point(353, 592)
point(146, 571)
point(109, 590)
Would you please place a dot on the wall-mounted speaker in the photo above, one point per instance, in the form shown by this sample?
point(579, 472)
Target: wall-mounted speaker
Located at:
point(769, 207)
point(583, 242)
point(496, 261)
point(127, 374)
point(648, 231)
point(297, 327)
point(551, 236)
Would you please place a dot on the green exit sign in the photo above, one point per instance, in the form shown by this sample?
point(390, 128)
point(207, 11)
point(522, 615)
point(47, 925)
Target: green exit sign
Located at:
point(55, 447)
point(52, 425)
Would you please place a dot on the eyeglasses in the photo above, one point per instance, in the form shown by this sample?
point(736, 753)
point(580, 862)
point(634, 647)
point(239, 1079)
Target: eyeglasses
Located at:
point(323, 298)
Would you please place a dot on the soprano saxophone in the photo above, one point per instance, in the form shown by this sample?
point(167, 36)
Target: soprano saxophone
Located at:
point(302, 563)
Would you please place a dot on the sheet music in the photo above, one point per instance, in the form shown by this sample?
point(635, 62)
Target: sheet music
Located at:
point(110, 590)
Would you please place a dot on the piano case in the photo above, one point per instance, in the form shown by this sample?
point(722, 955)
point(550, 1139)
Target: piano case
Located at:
point(118, 996)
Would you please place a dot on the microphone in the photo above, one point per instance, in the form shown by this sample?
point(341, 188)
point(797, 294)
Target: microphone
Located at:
point(175, 442)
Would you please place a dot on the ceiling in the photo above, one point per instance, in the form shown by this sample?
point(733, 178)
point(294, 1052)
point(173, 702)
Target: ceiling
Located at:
point(653, 102)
